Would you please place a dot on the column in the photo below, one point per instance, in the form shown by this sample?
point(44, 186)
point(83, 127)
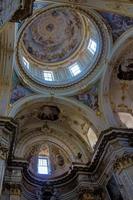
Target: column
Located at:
point(3, 156)
point(7, 133)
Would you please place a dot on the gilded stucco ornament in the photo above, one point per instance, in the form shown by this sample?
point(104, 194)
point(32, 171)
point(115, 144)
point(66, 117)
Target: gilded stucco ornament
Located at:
point(15, 190)
point(123, 162)
point(3, 151)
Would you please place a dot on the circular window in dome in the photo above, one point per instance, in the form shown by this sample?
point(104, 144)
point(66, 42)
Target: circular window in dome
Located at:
point(61, 49)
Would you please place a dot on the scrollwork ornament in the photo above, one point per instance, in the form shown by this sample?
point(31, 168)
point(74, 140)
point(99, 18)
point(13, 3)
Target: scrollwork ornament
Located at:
point(3, 152)
point(15, 190)
point(123, 162)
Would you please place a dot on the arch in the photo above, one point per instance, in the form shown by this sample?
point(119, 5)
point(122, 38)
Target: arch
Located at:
point(26, 142)
point(84, 110)
point(105, 83)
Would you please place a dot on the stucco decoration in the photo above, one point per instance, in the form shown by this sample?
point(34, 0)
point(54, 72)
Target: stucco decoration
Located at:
point(125, 70)
point(118, 88)
point(87, 196)
point(122, 80)
point(49, 113)
point(59, 160)
point(54, 35)
point(118, 23)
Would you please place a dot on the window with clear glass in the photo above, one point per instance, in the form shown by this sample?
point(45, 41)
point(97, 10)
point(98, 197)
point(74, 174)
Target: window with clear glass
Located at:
point(43, 165)
point(92, 46)
point(26, 63)
point(92, 137)
point(48, 76)
point(75, 69)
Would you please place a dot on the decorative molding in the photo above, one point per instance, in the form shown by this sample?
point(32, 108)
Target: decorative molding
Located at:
point(121, 138)
point(123, 162)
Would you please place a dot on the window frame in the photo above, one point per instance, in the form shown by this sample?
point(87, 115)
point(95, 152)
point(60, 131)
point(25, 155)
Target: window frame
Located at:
point(92, 46)
point(75, 69)
point(26, 63)
point(48, 76)
point(42, 166)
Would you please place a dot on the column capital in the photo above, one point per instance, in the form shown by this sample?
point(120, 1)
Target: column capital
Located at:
point(15, 189)
point(8, 129)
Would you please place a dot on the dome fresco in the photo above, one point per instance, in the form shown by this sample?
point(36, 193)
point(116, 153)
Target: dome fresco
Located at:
point(54, 35)
point(61, 47)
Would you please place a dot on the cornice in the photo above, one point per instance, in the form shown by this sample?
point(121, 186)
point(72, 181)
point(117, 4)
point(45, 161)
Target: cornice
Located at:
point(123, 138)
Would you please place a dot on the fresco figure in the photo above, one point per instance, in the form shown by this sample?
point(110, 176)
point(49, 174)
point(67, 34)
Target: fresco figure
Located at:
point(125, 72)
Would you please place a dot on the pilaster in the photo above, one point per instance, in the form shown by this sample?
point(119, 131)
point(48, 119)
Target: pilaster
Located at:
point(7, 134)
point(7, 43)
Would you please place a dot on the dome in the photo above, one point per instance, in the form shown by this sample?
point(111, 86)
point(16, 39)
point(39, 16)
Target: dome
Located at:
point(59, 48)
point(53, 36)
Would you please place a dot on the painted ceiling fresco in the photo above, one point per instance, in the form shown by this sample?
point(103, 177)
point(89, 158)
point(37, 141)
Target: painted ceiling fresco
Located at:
point(119, 24)
point(54, 35)
point(18, 90)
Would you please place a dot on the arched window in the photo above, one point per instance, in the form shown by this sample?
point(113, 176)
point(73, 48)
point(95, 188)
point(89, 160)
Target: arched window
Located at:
point(126, 119)
point(92, 137)
point(43, 165)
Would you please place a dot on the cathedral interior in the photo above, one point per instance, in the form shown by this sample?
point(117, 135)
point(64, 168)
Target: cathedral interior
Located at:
point(66, 100)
